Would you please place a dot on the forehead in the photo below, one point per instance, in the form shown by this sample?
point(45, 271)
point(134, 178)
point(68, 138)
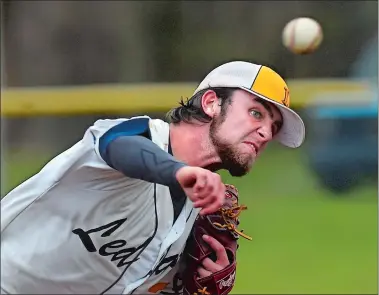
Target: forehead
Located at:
point(245, 98)
point(242, 97)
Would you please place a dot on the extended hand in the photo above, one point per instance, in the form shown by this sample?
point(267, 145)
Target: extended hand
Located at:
point(203, 187)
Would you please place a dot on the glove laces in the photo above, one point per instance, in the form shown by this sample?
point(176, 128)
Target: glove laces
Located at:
point(232, 214)
point(202, 292)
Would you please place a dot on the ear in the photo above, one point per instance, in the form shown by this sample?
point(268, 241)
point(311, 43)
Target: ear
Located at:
point(209, 103)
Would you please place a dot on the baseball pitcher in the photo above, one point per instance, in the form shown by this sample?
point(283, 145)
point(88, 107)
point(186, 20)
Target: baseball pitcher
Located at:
point(136, 205)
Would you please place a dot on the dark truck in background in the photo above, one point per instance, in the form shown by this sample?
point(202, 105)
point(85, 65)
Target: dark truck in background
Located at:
point(342, 129)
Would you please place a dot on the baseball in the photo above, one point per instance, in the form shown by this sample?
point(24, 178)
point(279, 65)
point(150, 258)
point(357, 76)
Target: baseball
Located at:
point(302, 35)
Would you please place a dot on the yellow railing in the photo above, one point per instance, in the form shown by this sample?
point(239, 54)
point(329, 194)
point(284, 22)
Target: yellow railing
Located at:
point(131, 98)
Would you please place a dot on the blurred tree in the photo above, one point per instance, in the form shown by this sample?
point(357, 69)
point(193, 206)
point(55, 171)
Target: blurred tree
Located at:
point(83, 42)
point(164, 33)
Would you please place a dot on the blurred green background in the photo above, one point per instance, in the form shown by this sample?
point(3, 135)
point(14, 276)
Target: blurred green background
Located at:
point(313, 232)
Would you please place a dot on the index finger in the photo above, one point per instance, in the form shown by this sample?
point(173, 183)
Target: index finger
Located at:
point(222, 257)
point(200, 183)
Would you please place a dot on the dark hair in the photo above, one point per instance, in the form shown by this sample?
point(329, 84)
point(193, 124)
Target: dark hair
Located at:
point(192, 109)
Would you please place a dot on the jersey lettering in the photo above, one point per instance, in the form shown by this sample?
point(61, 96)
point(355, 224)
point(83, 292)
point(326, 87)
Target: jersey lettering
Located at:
point(165, 263)
point(122, 254)
point(112, 248)
point(177, 283)
point(86, 239)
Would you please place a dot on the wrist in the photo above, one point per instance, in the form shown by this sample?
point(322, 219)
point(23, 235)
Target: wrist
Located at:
point(176, 169)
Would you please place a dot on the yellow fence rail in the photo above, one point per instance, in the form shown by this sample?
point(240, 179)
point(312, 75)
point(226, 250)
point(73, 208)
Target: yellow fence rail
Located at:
point(132, 98)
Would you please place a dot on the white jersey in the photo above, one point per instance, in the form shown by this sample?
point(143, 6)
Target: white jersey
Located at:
point(79, 226)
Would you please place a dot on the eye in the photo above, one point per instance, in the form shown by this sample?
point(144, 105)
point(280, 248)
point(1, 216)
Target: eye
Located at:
point(256, 114)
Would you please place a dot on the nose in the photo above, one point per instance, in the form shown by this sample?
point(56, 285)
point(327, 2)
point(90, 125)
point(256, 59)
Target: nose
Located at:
point(265, 133)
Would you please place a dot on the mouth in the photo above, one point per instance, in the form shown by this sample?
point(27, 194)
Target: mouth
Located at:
point(253, 146)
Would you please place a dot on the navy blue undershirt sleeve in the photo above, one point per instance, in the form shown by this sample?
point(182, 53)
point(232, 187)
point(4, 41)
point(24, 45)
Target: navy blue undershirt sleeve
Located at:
point(128, 148)
point(138, 157)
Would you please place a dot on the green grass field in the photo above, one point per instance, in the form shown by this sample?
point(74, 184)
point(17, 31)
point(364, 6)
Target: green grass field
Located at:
point(305, 239)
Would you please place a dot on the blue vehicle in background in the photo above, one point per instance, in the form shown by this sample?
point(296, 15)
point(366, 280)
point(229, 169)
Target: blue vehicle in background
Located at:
point(342, 129)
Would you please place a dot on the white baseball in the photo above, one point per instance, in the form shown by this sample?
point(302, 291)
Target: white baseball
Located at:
point(302, 35)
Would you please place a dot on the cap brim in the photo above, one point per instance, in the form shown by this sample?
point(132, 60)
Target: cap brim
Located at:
point(292, 133)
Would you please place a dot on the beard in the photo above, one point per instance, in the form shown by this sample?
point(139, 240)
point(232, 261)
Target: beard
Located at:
point(236, 163)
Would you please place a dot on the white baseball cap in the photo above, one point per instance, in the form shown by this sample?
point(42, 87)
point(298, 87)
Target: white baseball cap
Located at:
point(266, 84)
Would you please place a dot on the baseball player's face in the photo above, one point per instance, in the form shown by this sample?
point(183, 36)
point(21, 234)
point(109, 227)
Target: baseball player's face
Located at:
point(243, 132)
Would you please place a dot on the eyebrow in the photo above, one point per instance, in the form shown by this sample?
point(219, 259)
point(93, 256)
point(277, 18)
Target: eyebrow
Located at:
point(266, 106)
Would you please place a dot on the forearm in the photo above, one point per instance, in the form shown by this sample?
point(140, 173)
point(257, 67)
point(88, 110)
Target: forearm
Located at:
point(138, 157)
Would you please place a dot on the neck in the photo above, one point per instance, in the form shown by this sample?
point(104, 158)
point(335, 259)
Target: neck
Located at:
point(191, 144)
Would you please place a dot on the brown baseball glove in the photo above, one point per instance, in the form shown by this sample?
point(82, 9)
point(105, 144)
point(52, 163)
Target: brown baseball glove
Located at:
point(223, 226)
